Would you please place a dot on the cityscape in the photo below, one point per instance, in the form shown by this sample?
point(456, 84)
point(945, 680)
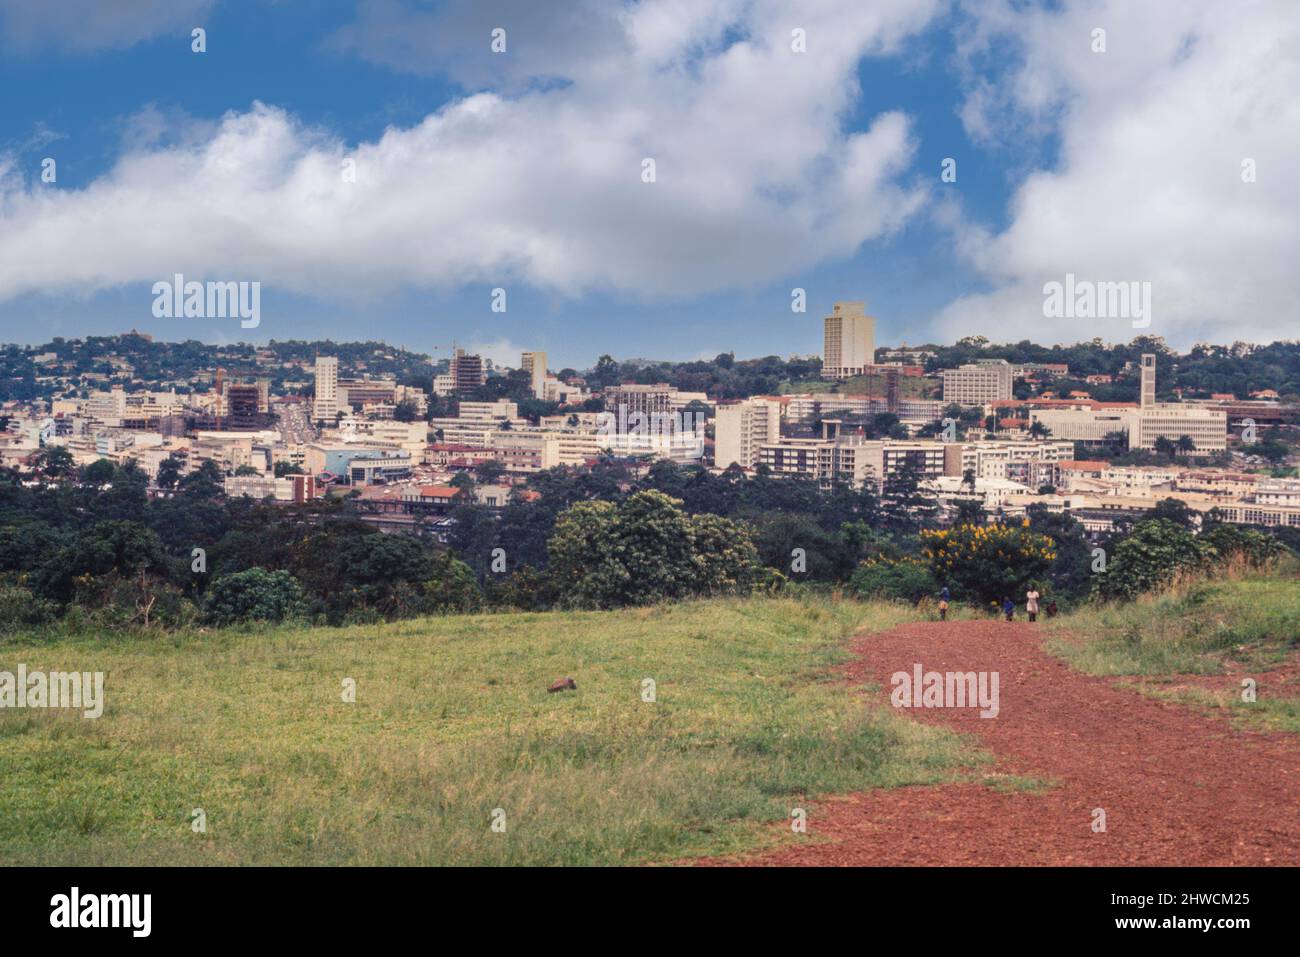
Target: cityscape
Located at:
point(992, 434)
point(624, 444)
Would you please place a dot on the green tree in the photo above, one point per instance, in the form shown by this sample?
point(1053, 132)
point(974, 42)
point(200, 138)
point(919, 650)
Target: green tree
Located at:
point(1150, 558)
point(169, 472)
point(98, 472)
point(254, 595)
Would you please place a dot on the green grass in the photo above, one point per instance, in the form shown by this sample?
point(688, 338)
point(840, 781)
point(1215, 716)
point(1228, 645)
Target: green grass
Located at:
point(1192, 630)
point(451, 721)
point(1249, 623)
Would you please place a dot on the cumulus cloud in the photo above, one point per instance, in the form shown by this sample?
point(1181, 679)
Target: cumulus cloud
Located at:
point(756, 176)
point(1148, 186)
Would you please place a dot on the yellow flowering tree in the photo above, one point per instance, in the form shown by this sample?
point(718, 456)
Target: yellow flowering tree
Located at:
point(987, 563)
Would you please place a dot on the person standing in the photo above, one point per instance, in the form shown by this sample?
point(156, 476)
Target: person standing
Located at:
point(1008, 608)
point(943, 604)
point(1031, 602)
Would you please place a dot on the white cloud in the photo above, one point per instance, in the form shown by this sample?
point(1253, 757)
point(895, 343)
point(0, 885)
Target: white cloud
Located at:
point(84, 25)
point(1148, 186)
point(756, 176)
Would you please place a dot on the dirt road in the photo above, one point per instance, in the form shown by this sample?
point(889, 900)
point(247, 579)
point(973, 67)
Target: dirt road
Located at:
point(1176, 786)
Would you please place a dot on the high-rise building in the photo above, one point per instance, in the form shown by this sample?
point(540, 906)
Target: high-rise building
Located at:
point(466, 372)
point(982, 383)
point(849, 343)
point(1148, 380)
point(326, 406)
point(534, 363)
point(743, 428)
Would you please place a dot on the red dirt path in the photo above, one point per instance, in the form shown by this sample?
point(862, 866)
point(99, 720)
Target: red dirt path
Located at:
point(1177, 786)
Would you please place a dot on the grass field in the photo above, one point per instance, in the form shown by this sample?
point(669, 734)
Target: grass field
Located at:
point(1244, 624)
point(452, 721)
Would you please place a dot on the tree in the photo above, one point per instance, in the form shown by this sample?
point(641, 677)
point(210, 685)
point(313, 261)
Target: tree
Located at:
point(98, 472)
point(54, 461)
point(169, 472)
point(1149, 559)
point(489, 470)
point(987, 563)
point(1186, 444)
point(406, 411)
point(1165, 446)
point(906, 579)
point(254, 595)
point(904, 506)
point(1038, 430)
point(205, 482)
point(451, 586)
point(646, 549)
point(283, 468)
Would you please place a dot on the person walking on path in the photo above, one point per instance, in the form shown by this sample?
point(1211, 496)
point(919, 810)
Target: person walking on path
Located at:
point(943, 604)
point(1031, 602)
point(1008, 608)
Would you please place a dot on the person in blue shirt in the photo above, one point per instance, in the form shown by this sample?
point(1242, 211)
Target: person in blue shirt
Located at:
point(943, 604)
point(1009, 608)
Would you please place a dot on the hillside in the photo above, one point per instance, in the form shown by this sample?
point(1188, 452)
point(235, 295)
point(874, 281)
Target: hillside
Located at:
point(452, 720)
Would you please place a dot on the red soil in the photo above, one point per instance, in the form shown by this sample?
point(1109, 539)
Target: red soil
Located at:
point(1178, 786)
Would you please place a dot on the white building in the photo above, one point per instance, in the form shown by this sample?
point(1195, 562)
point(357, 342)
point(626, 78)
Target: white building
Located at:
point(981, 383)
point(849, 341)
point(326, 406)
point(743, 428)
point(534, 363)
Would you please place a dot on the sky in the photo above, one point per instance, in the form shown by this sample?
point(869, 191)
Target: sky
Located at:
point(380, 169)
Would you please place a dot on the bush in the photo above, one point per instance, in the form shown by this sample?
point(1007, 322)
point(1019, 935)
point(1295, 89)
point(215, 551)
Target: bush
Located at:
point(647, 549)
point(20, 608)
point(254, 595)
point(907, 579)
point(986, 563)
point(1150, 558)
point(451, 588)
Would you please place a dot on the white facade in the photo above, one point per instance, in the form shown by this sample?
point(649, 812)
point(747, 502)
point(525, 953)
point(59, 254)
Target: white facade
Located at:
point(743, 428)
point(849, 341)
point(326, 406)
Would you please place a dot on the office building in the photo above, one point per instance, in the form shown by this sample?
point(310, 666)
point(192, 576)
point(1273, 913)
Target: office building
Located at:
point(743, 428)
point(977, 384)
point(326, 405)
point(534, 363)
point(466, 372)
point(849, 341)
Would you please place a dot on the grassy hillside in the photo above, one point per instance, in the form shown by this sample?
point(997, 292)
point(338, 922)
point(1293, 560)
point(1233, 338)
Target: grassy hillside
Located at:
point(451, 721)
point(1234, 627)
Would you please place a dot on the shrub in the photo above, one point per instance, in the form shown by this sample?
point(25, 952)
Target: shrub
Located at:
point(647, 549)
point(906, 579)
point(20, 608)
point(254, 595)
point(1150, 558)
point(986, 563)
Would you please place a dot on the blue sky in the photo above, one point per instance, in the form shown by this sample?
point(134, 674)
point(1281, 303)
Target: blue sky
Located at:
point(519, 170)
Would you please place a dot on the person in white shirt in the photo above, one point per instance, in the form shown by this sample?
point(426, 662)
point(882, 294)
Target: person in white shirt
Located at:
point(1031, 602)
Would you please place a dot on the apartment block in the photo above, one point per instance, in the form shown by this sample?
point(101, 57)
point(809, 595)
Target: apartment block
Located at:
point(743, 428)
point(848, 341)
point(980, 383)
